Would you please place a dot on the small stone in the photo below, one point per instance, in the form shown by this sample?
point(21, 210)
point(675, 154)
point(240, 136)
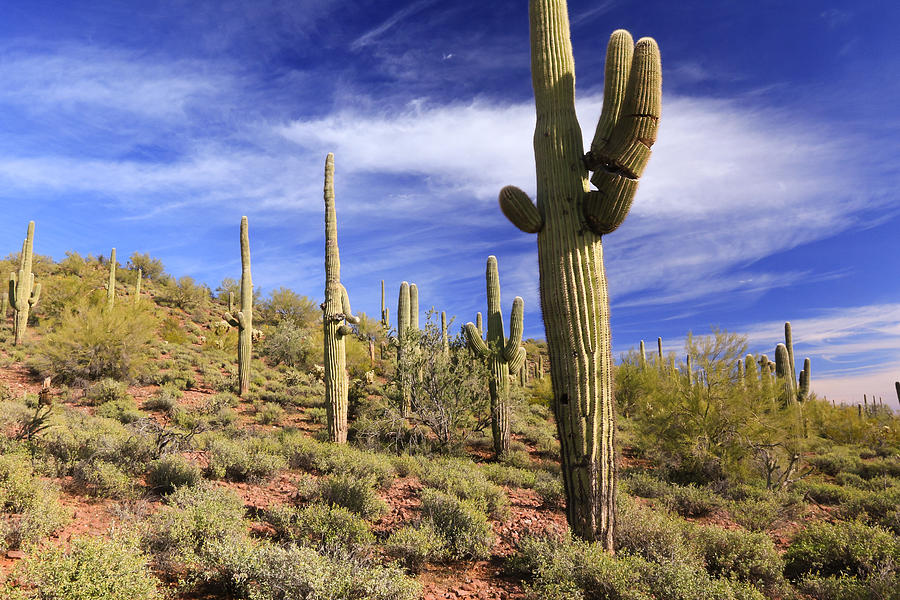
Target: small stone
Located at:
point(15, 554)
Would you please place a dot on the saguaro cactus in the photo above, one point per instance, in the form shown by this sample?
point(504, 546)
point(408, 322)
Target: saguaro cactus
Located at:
point(750, 373)
point(445, 340)
point(403, 326)
point(111, 283)
point(243, 319)
point(479, 325)
point(24, 293)
point(4, 306)
point(659, 352)
point(783, 373)
point(570, 219)
point(803, 391)
point(336, 311)
point(643, 355)
point(385, 314)
point(504, 356)
point(414, 306)
point(137, 285)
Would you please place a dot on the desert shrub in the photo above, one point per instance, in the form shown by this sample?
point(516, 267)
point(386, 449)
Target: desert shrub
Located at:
point(652, 534)
point(645, 486)
point(285, 305)
point(549, 488)
point(826, 493)
point(460, 478)
point(82, 438)
point(293, 345)
point(881, 585)
point(306, 453)
point(152, 268)
point(93, 569)
point(185, 294)
point(165, 399)
point(502, 474)
point(355, 494)
point(195, 517)
point(91, 343)
point(835, 461)
point(332, 530)
point(172, 471)
point(29, 508)
point(104, 478)
point(243, 459)
point(693, 501)
point(123, 411)
point(406, 465)
point(269, 572)
point(853, 549)
point(269, 414)
point(755, 514)
point(462, 524)
point(564, 569)
point(416, 546)
point(881, 507)
point(735, 554)
point(105, 390)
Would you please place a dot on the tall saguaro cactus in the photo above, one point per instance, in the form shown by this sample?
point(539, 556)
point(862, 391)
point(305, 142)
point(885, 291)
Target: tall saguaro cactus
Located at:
point(137, 285)
point(385, 313)
point(504, 356)
point(111, 283)
point(414, 306)
point(569, 220)
point(403, 327)
point(336, 313)
point(24, 293)
point(243, 319)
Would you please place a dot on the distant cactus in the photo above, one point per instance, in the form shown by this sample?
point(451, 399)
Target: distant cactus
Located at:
point(503, 356)
point(24, 293)
point(414, 307)
point(659, 352)
point(643, 355)
point(137, 285)
point(385, 314)
point(803, 392)
point(403, 328)
point(4, 307)
point(445, 341)
point(231, 302)
point(783, 373)
point(897, 387)
point(336, 309)
point(690, 370)
point(111, 284)
point(742, 381)
point(751, 376)
point(243, 319)
point(540, 366)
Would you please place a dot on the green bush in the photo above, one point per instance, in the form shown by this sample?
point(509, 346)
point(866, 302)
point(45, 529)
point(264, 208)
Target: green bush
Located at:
point(105, 390)
point(270, 572)
point(165, 399)
point(852, 549)
point(882, 585)
point(124, 410)
point(652, 534)
point(269, 414)
point(756, 514)
point(93, 569)
point(645, 486)
point(415, 547)
point(243, 459)
point(693, 501)
point(92, 343)
point(29, 508)
point(881, 507)
point(333, 530)
point(195, 517)
point(549, 488)
point(355, 494)
point(305, 453)
point(104, 478)
point(461, 523)
point(172, 471)
point(461, 478)
point(735, 554)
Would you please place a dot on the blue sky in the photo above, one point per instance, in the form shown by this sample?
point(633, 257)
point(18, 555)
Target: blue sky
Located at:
point(153, 127)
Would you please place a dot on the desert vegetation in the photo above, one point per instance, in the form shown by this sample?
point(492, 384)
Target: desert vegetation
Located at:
point(161, 439)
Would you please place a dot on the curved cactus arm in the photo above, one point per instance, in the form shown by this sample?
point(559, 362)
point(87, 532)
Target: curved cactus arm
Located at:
point(231, 321)
point(520, 210)
point(344, 330)
point(13, 280)
point(517, 361)
point(475, 342)
point(619, 54)
point(515, 331)
point(242, 320)
point(605, 209)
point(479, 324)
point(35, 294)
point(345, 306)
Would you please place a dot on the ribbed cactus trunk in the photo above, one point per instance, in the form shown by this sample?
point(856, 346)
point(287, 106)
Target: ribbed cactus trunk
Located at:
point(137, 285)
point(243, 319)
point(4, 307)
point(897, 388)
point(643, 355)
point(445, 340)
point(503, 356)
point(414, 306)
point(570, 220)
point(111, 283)
point(783, 374)
point(540, 367)
point(659, 353)
point(750, 372)
point(403, 326)
point(789, 345)
point(803, 392)
point(479, 325)
point(689, 367)
point(385, 314)
point(336, 311)
point(24, 293)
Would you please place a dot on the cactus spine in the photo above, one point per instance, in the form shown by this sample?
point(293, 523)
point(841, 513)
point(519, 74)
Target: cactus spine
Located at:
point(336, 310)
point(504, 356)
point(403, 325)
point(24, 293)
point(243, 319)
point(111, 284)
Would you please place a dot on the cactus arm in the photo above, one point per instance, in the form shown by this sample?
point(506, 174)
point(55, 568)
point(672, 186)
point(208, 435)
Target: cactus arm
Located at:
point(510, 351)
point(242, 320)
point(475, 342)
point(403, 310)
point(479, 324)
point(232, 321)
point(35, 294)
point(518, 361)
point(344, 330)
point(345, 306)
point(414, 306)
point(12, 290)
point(520, 210)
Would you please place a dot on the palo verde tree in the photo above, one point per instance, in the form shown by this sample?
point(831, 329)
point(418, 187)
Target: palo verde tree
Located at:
point(569, 221)
point(336, 312)
point(243, 319)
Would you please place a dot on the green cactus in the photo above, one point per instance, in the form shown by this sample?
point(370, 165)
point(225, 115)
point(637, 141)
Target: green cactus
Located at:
point(789, 345)
point(4, 307)
point(540, 366)
point(24, 293)
point(385, 314)
point(803, 392)
point(137, 285)
point(570, 220)
point(783, 373)
point(414, 307)
point(445, 340)
point(111, 283)
point(504, 356)
point(479, 325)
point(243, 319)
point(741, 379)
point(897, 388)
point(403, 346)
point(751, 375)
point(659, 353)
point(643, 355)
point(689, 366)
point(336, 310)
point(230, 302)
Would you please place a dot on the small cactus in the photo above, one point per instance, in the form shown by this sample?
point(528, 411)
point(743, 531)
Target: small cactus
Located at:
point(137, 285)
point(111, 284)
point(336, 310)
point(803, 392)
point(643, 355)
point(385, 314)
point(24, 293)
point(659, 353)
point(504, 356)
point(4, 306)
point(479, 325)
point(243, 319)
point(445, 340)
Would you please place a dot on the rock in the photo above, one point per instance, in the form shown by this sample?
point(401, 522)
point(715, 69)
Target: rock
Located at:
point(17, 554)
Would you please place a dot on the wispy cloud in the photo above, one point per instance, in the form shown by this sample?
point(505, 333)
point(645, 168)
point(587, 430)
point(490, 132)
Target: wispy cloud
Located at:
point(402, 14)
